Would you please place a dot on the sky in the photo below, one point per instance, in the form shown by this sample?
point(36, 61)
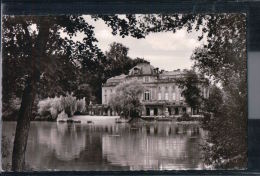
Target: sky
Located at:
point(165, 50)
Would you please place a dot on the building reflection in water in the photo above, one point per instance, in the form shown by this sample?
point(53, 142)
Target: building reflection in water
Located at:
point(53, 146)
point(155, 147)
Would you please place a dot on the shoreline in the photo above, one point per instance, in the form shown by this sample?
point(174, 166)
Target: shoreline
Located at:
point(102, 119)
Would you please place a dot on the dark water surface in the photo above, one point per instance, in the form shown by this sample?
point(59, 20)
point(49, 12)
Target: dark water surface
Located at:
point(110, 146)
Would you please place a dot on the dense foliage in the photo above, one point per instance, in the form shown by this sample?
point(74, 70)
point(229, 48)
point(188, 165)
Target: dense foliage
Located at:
point(224, 60)
point(126, 101)
point(115, 62)
point(36, 61)
point(191, 91)
point(50, 108)
point(213, 104)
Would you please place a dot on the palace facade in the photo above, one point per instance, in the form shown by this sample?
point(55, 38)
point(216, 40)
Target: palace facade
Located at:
point(161, 96)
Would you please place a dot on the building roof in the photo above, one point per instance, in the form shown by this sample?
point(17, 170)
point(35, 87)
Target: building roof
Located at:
point(146, 69)
point(116, 78)
point(142, 69)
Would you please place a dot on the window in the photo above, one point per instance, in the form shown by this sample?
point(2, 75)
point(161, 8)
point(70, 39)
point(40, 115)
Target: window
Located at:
point(105, 99)
point(166, 96)
point(147, 95)
point(173, 96)
point(136, 71)
point(146, 79)
point(159, 96)
point(181, 97)
point(111, 90)
point(184, 110)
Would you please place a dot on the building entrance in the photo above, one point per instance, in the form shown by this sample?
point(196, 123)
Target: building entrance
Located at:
point(184, 110)
point(176, 111)
point(169, 110)
point(147, 111)
point(155, 111)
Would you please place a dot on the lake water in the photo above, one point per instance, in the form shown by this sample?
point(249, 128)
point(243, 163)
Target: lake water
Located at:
point(105, 145)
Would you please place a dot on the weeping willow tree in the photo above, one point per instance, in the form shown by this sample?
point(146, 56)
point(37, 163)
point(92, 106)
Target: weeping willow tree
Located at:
point(126, 100)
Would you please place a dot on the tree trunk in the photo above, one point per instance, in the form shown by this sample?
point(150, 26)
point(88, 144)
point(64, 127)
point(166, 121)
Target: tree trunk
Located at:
point(25, 112)
point(23, 126)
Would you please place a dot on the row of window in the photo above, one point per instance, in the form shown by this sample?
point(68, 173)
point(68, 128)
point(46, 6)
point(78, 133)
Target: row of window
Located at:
point(147, 96)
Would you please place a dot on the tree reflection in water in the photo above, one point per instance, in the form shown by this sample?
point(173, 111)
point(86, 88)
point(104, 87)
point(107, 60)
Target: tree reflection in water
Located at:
point(155, 147)
point(162, 145)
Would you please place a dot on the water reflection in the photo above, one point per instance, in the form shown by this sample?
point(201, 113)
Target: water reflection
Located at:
point(155, 147)
point(163, 145)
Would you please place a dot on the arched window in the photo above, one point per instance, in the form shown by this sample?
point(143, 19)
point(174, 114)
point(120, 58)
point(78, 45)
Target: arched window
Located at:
point(173, 96)
point(159, 96)
point(105, 99)
point(147, 95)
point(136, 71)
point(166, 96)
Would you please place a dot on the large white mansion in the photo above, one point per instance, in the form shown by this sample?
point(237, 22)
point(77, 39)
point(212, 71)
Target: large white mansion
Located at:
point(161, 95)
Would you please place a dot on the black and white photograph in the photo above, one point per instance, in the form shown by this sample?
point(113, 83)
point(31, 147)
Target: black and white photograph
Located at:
point(124, 92)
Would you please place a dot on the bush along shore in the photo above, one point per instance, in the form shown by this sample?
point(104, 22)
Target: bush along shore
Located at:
point(50, 109)
point(62, 108)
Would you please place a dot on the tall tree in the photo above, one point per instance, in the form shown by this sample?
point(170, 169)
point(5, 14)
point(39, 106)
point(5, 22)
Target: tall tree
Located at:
point(127, 99)
point(118, 61)
point(189, 85)
point(223, 58)
point(213, 104)
point(34, 48)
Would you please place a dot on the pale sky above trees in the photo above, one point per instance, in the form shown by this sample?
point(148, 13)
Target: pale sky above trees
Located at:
point(166, 50)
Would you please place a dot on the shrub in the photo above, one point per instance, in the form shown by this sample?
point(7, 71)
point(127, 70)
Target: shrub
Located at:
point(69, 104)
point(44, 107)
point(206, 118)
point(62, 116)
point(81, 105)
point(49, 108)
